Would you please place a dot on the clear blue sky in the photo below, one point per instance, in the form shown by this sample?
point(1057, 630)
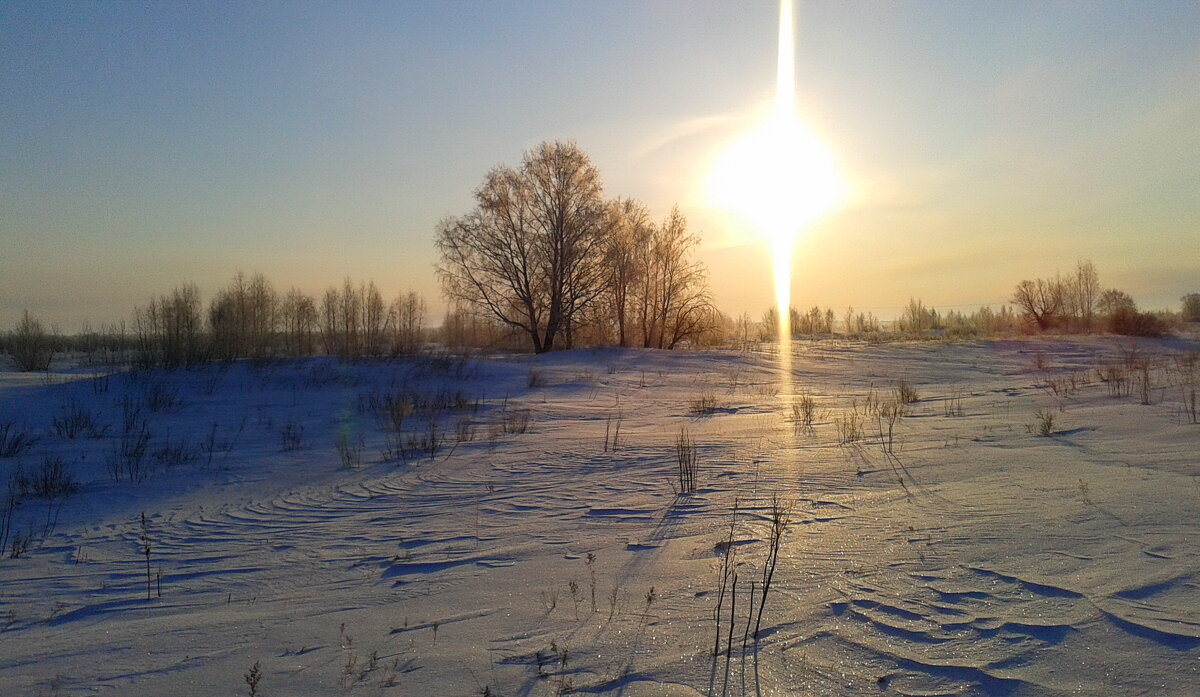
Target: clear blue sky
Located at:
point(144, 144)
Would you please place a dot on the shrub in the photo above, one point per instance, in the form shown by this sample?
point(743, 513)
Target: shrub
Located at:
point(349, 451)
point(1044, 422)
point(77, 420)
point(1129, 322)
point(905, 392)
point(127, 458)
point(291, 435)
point(685, 459)
point(177, 452)
point(516, 420)
point(849, 427)
point(14, 440)
point(703, 405)
point(804, 411)
point(30, 345)
point(50, 480)
point(161, 398)
point(889, 413)
point(535, 378)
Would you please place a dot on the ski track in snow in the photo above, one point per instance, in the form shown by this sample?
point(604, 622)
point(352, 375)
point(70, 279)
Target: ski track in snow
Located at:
point(977, 559)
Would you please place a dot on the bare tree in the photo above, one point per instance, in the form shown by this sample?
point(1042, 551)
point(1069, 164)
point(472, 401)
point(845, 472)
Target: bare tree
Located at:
point(169, 329)
point(1081, 292)
point(1040, 300)
point(812, 322)
point(629, 228)
point(1191, 307)
point(242, 318)
point(462, 330)
point(354, 321)
point(531, 252)
point(262, 309)
point(226, 319)
point(683, 309)
point(298, 320)
point(340, 311)
point(373, 319)
point(407, 321)
point(669, 296)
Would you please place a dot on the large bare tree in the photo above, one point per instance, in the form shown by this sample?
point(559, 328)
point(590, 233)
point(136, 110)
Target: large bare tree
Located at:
point(531, 252)
point(1040, 300)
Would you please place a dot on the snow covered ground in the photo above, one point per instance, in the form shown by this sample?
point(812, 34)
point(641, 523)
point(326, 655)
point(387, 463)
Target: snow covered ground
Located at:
point(515, 549)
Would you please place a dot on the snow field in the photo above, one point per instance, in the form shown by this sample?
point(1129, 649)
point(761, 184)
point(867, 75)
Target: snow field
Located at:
point(976, 557)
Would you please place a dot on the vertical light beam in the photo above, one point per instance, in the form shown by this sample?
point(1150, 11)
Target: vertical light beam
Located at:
point(785, 113)
point(785, 76)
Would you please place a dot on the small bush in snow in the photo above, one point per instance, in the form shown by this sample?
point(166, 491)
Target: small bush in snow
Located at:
point(30, 345)
point(804, 411)
point(127, 459)
point(349, 452)
point(178, 452)
point(15, 440)
point(685, 459)
point(77, 420)
point(252, 677)
point(905, 392)
point(50, 480)
point(1044, 422)
point(291, 436)
point(849, 427)
point(516, 420)
point(535, 378)
point(163, 399)
point(703, 405)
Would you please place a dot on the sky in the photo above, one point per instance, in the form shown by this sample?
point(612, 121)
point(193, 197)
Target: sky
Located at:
point(144, 144)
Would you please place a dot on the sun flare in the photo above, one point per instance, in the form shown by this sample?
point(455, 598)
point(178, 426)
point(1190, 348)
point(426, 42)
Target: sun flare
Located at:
point(779, 177)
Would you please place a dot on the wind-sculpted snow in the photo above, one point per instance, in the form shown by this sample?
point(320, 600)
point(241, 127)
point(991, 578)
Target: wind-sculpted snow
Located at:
point(977, 557)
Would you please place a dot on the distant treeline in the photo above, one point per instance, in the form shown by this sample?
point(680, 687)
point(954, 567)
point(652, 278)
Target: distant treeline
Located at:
point(249, 319)
point(1074, 304)
point(246, 319)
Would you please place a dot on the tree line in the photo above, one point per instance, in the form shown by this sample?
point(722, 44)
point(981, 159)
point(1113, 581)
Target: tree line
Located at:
point(1073, 303)
point(249, 319)
point(246, 319)
point(1077, 302)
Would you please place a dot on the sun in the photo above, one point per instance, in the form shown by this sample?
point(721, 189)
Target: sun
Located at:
point(779, 177)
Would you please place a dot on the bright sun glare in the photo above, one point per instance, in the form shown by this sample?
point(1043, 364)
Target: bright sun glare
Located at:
point(779, 177)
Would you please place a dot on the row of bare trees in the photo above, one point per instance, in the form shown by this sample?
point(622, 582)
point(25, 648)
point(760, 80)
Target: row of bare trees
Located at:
point(1069, 302)
point(249, 319)
point(543, 252)
point(1077, 302)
